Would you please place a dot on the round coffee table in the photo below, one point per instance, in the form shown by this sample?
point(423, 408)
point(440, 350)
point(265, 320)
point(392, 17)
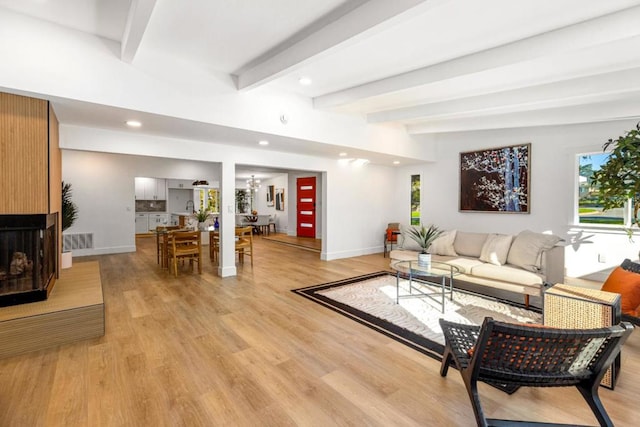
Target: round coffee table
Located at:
point(421, 276)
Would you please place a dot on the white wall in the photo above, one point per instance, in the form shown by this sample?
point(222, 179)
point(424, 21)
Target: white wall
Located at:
point(354, 210)
point(103, 189)
point(552, 190)
point(177, 199)
point(281, 217)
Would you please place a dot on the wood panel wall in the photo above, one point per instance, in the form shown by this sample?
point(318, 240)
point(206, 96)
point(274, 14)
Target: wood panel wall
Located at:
point(55, 183)
point(55, 165)
point(24, 155)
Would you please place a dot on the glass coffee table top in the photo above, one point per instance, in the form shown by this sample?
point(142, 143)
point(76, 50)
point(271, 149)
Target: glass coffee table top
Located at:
point(437, 269)
point(432, 281)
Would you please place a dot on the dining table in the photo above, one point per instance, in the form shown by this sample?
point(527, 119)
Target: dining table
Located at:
point(162, 242)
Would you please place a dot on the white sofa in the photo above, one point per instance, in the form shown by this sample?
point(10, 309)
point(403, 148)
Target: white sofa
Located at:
point(521, 263)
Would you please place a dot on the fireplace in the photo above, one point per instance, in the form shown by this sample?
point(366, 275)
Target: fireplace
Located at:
point(28, 257)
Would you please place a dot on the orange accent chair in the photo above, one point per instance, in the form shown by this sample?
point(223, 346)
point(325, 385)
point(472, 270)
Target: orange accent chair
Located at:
point(391, 236)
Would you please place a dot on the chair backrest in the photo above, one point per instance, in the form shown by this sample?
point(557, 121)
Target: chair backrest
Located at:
point(629, 265)
point(245, 237)
point(246, 231)
point(392, 229)
point(182, 241)
point(534, 355)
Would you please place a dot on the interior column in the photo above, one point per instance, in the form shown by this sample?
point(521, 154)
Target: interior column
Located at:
point(227, 261)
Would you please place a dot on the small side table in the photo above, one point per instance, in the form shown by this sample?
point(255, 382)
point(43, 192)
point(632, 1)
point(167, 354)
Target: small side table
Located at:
point(573, 307)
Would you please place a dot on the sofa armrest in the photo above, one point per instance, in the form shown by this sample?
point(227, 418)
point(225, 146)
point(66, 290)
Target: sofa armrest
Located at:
point(553, 265)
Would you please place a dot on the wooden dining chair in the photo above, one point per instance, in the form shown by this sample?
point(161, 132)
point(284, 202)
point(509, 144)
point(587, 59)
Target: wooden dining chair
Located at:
point(161, 241)
point(185, 245)
point(244, 244)
point(214, 245)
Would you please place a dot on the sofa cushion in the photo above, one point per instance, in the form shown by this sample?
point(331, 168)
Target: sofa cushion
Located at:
point(443, 245)
point(402, 255)
point(496, 249)
point(469, 244)
point(505, 273)
point(465, 265)
point(407, 243)
point(526, 249)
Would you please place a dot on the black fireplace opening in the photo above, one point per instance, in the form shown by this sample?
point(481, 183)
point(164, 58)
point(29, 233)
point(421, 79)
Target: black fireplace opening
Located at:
point(28, 257)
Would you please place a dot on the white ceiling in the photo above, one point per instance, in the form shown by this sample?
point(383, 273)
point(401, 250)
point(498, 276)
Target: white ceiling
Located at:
point(430, 66)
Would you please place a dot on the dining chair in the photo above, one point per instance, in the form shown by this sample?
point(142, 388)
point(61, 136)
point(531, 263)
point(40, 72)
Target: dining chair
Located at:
point(185, 245)
point(244, 243)
point(272, 223)
point(161, 231)
point(214, 245)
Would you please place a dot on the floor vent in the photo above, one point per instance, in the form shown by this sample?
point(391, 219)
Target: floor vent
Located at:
point(77, 241)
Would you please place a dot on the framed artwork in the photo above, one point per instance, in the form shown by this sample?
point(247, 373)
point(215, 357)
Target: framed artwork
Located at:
point(279, 199)
point(495, 180)
point(270, 195)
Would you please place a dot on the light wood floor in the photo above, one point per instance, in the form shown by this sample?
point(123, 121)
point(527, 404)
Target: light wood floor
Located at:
point(244, 351)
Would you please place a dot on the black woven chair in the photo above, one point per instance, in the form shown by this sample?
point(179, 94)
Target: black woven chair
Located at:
point(509, 356)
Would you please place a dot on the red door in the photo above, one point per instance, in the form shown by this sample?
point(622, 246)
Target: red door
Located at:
point(306, 207)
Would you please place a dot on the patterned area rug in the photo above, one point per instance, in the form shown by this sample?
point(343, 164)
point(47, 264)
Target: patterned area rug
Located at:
point(371, 300)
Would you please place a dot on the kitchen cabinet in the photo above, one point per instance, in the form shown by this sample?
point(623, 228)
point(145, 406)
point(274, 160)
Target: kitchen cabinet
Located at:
point(180, 184)
point(156, 220)
point(142, 223)
point(150, 188)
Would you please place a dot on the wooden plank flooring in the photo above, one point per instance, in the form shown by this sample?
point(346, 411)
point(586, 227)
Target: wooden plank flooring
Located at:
point(199, 350)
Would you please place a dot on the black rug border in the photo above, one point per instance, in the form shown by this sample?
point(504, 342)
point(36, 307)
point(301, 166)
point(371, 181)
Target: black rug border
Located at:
point(410, 339)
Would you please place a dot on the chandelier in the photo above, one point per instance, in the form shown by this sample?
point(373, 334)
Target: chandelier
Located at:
point(253, 184)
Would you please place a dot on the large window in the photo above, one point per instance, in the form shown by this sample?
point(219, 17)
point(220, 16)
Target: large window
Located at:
point(589, 210)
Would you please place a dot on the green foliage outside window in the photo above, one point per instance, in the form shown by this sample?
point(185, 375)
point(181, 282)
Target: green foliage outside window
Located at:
point(415, 199)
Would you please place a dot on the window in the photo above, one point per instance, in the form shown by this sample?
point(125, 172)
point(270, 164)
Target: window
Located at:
point(415, 199)
point(589, 210)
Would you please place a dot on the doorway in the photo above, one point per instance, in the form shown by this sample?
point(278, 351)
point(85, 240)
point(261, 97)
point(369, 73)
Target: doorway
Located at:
point(306, 207)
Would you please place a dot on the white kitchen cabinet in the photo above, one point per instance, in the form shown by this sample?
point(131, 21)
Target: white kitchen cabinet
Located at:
point(180, 184)
point(150, 188)
point(142, 223)
point(156, 220)
point(161, 189)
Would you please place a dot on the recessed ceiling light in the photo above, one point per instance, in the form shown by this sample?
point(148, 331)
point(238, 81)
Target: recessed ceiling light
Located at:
point(305, 81)
point(342, 154)
point(396, 162)
point(134, 123)
point(263, 142)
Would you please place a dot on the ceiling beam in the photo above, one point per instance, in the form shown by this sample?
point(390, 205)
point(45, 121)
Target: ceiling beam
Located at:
point(585, 34)
point(137, 21)
point(623, 108)
point(575, 91)
point(356, 19)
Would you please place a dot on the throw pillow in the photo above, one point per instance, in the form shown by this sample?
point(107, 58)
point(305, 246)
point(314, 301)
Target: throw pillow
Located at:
point(496, 249)
point(526, 249)
point(627, 284)
point(443, 245)
point(407, 242)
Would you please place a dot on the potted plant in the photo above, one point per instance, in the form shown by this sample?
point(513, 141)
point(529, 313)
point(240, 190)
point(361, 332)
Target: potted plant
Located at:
point(68, 217)
point(202, 216)
point(424, 236)
point(618, 179)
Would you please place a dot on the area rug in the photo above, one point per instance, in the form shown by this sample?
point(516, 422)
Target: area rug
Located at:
point(371, 300)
